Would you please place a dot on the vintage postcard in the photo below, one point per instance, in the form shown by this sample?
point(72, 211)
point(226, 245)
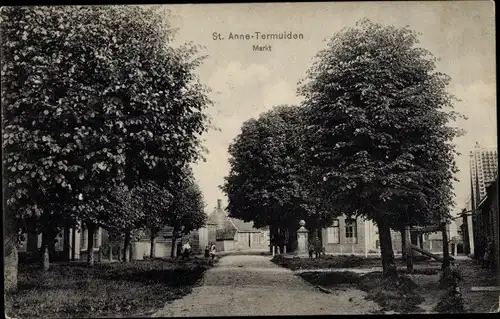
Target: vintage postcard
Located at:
point(250, 159)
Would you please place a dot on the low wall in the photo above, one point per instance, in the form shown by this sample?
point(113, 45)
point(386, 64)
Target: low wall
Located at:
point(344, 248)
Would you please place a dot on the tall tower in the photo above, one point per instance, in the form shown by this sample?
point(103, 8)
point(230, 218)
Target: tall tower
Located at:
point(483, 169)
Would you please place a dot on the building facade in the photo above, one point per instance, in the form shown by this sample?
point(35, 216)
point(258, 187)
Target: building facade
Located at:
point(350, 235)
point(236, 235)
point(483, 170)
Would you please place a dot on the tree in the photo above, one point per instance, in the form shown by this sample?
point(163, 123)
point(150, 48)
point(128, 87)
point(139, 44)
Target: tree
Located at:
point(187, 210)
point(378, 135)
point(155, 201)
point(267, 181)
point(93, 96)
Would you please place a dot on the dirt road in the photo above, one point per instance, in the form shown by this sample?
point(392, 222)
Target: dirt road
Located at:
point(254, 286)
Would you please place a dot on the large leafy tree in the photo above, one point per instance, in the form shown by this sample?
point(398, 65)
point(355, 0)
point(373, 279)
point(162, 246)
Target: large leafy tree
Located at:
point(379, 139)
point(93, 96)
point(267, 181)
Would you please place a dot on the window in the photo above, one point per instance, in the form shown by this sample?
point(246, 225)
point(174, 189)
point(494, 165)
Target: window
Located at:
point(333, 233)
point(351, 232)
point(256, 238)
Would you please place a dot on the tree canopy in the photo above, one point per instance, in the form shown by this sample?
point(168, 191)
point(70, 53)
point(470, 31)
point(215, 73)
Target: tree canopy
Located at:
point(378, 135)
point(93, 95)
point(266, 183)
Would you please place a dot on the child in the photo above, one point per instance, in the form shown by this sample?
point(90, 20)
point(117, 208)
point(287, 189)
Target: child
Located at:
point(311, 250)
point(207, 252)
point(186, 249)
point(212, 251)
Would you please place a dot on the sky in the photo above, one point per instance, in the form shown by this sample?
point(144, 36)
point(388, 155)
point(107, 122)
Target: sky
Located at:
point(246, 83)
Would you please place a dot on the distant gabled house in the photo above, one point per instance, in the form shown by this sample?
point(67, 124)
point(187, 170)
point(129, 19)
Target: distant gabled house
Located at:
point(233, 234)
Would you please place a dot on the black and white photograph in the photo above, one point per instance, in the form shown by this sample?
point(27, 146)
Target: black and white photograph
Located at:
point(249, 159)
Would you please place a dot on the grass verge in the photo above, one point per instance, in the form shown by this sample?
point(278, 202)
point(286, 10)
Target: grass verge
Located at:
point(392, 294)
point(329, 261)
point(136, 288)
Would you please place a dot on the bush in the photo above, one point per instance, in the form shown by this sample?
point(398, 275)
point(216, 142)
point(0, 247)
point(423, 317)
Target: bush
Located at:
point(450, 277)
point(392, 293)
point(451, 302)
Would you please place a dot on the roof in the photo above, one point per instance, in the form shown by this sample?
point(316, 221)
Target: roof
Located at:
point(225, 234)
point(211, 220)
point(244, 227)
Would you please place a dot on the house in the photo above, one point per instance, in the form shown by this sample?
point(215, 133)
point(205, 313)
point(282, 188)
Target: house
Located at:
point(103, 247)
point(349, 234)
point(77, 244)
point(483, 170)
point(486, 224)
point(233, 234)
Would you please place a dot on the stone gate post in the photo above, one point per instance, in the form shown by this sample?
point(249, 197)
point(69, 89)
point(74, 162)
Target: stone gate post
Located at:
point(302, 237)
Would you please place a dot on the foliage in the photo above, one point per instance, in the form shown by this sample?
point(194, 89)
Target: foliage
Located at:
point(188, 207)
point(154, 201)
point(378, 131)
point(266, 183)
point(93, 96)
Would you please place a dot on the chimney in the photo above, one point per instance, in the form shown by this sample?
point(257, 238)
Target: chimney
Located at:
point(219, 203)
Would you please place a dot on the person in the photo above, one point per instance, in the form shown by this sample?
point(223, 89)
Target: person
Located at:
point(179, 250)
point(186, 249)
point(212, 251)
point(207, 252)
point(317, 248)
point(311, 249)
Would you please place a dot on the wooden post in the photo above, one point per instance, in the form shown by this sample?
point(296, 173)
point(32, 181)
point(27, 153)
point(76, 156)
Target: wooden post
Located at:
point(409, 254)
point(446, 251)
point(274, 250)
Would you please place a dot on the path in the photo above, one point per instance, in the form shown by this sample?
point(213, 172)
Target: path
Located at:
point(253, 286)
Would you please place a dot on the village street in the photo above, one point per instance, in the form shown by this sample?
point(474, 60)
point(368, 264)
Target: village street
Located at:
point(253, 286)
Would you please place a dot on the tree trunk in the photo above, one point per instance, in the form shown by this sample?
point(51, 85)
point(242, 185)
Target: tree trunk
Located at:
point(66, 246)
point(446, 252)
point(152, 252)
point(421, 240)
point(403, 242)
point(32, 245)
point(386, 251)
point(119, 253)
point(173, 250)
point(10, 261)
point(45, 257)
point(126, 247)
point(73, 244)
point(90, 244)
point(47, 240)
